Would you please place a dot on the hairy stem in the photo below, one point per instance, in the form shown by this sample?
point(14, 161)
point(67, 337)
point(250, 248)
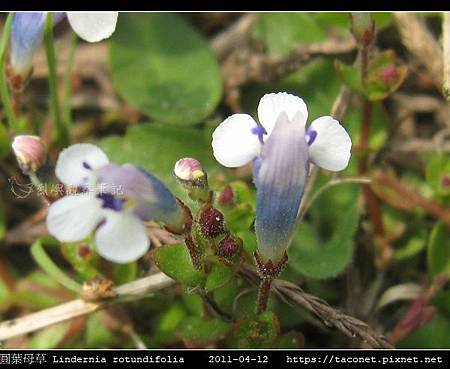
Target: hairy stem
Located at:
point(263, 294)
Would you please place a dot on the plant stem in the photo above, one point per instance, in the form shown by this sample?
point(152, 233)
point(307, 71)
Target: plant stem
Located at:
point(44, 261)
point(62, 133)
point(67, 82)
point(263, 294)
point(6, 100)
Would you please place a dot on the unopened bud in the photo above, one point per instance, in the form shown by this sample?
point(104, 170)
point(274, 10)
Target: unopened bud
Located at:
point(84, 251)
point(389, 74)
point(229, 246)
point(30, 152)
point(226, 196)
point(363, 27)
point(211, 222)
point(190, 172)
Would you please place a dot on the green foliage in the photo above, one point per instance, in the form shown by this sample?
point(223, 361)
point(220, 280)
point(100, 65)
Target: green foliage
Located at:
point(219, 275)
point(97, 335)
point(256, 331)
point(175, 261)
point(46, 263)
point(281, 32)
point(163, 66)
point(438, 256)
point(438, 175)
point(323, 248)
point(2, 221)
point(50, 291)
point(384, 76)
point(433, 335)
point(49, 337)
point(4, 141)
point(197, 331)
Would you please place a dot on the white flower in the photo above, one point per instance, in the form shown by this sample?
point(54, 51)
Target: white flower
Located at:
point(239, 139)
point(115, 200)
point(281, 151)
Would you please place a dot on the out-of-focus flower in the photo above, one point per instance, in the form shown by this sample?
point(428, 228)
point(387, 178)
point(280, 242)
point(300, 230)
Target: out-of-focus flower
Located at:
point(111, 199)
point(30, 152)
point(281, 150)
point(28, 29)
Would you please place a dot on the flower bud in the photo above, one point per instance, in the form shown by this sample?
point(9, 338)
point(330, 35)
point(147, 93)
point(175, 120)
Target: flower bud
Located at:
point(211, 222)
point(30, 152)
point(190, 172)
point(226, 196)
point(363, 27)
point(229, 246)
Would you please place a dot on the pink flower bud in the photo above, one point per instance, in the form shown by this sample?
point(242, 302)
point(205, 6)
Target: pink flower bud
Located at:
point(190, 172)
point(30, 152)
point(389, 74)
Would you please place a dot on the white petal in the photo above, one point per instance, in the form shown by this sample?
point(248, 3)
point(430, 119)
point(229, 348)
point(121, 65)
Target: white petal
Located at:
point(271, 105)
point(122, 238)
point(73, 217)
point(93, 27)
point(331, 148)
point(75, 164)
point(234, 143)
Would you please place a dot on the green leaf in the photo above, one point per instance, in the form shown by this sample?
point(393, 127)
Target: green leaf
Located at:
point(240, 215)
point(219, 275)
point(351, 76)
point(163, 66)
point(97, 335)
point(313, 255)
point(199, 332)
point(438, 174)
point(411, 249)
point(438, 256)
point(433, 335)
point(49, 337)
point(256, 331)
point(2, 221)
point(167, 323)
point(38, 291)
point(5, 296)
point(156, 148)
point(175, 261)
point(281, 32)
point(4, 141)
point(86, 266)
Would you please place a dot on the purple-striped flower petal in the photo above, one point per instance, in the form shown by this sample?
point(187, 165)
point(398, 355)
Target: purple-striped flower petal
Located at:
point(280, 176)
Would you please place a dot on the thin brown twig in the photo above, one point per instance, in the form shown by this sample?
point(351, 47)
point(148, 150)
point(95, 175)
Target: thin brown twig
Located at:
point(348, 325)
